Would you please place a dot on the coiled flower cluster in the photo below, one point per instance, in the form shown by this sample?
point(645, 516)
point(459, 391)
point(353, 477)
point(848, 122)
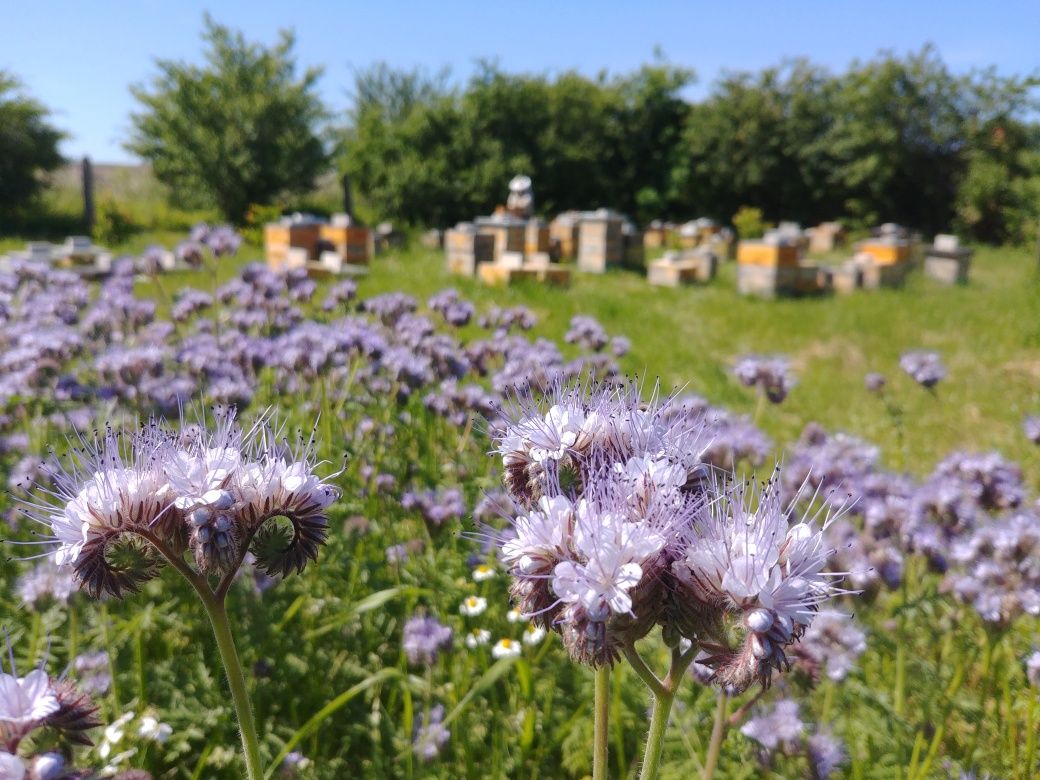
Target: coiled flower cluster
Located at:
point(621, 526)
point(123, 501)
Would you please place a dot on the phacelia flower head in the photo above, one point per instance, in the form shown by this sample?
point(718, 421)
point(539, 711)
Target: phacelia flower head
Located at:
point(925, 368)
point(424, 639)
point(155, 492)
point(37, 701)
point(748, 566)
point(1031, 428)
point(771, 375)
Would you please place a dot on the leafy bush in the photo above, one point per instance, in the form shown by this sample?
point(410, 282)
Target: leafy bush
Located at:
point(748, 222)
point(113, 224)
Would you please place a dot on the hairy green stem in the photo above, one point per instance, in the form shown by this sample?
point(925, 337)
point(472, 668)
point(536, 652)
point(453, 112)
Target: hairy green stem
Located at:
point(664, 696)
point(655, 738)
point(237, 682)
point(600, 753)
point(218, 618)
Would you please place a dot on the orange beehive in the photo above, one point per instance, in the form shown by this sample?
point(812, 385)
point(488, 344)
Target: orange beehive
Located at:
point(886, 252)
point(355, 244)
point(771, 255)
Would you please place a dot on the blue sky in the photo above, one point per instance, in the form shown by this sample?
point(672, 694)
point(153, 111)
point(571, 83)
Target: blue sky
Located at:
point(79, 56)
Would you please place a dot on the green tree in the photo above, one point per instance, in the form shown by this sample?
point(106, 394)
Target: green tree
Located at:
point(28, 146)
point(749, 141)
point(242, 129)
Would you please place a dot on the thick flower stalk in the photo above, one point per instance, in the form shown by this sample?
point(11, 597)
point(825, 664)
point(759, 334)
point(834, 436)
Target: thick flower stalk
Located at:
point(620, 526)
point(199, 498)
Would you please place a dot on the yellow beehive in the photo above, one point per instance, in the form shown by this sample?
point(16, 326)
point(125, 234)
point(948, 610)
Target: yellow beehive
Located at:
point(886, 252)
point(771, 255)
point(355, 244)
point(279, 238)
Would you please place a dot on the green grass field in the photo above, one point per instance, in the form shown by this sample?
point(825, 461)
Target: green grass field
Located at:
point(936, 691)
point(988, 333)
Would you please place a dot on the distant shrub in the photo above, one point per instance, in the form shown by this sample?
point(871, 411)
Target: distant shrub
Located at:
point(113, 224)
point(257, 216)
point(749, 223)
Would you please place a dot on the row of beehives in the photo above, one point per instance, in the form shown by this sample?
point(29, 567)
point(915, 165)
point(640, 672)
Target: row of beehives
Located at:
point(504, 248)
point(776, 265)
point(337, 246)
point(78, 253)
point(705, 232)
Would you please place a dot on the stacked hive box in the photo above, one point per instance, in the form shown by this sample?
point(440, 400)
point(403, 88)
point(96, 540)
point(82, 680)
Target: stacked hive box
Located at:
point(826, 237)
point(536, 237)
point(687, 267)
point(432, 239)
point(465, 249)
point(563, 234)
point(656, 236)
point(356, 245)
point(600, 241)
point(886, 250)
point(947, 261)
point(767, 268)
point(846, 278)
point(281, 237)
point(508, 233)
point(877, 275)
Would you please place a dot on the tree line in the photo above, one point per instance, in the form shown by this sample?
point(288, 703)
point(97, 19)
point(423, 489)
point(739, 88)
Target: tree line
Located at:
point(896, 138)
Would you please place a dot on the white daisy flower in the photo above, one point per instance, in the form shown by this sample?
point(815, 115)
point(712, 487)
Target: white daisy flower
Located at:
point(505, 648)
point(473, 606)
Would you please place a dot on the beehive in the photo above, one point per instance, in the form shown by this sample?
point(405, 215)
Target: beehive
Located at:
point(767, 281)
point(635, 253)
point(877, 275)
point(536, 237)
point(355, 245)
point(886, 251)
point(846, 278)
point(600, 241)
point(655, 237)
point(947, 261)
point(826, 237)
point(507, 232)
point(767, 254)
point(280, 237)
point(465, 248)
point(563, 232)
point(810, 280)
point(948, 270)
point(494, 274)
